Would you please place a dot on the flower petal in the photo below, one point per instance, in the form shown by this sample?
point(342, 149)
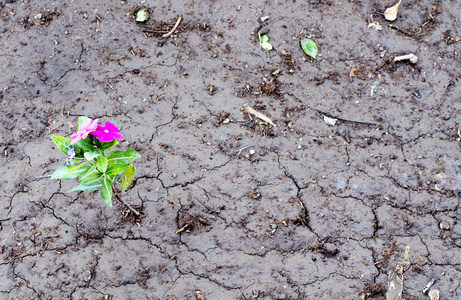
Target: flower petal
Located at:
point(107, 133)
point(86, 128)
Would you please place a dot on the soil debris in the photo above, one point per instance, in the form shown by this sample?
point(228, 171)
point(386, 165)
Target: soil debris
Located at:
point(199, 296)
point(374, 24)
point(410, 57)
point(188, 221)
point(258, 114)
point(174, 28)
point(428, 286)
point(162, 29)
point(395, 286)
point(44, 19)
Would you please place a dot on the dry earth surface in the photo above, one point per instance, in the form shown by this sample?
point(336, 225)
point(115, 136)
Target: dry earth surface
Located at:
point(234, 208)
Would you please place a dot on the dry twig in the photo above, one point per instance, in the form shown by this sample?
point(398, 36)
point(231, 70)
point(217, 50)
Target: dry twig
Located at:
point(258, 114)
point(174, 27)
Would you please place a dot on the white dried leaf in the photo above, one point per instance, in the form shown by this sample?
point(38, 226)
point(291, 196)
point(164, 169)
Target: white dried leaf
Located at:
point(391, 13)
point(434, 294)
point(330, 121)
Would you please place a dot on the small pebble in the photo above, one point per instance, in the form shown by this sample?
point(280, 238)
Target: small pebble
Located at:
point(86, 275)
point(444, 225)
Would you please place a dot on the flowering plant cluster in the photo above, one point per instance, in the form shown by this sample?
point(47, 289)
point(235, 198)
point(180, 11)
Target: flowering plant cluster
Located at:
point(95, 169)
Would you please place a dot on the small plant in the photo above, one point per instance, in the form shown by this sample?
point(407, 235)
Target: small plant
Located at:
point(264, 42)
point(88, 161)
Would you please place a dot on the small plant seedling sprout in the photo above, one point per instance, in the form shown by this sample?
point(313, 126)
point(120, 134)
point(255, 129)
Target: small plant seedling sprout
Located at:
point(309, 47)
point(89, 163)
point(264, 42)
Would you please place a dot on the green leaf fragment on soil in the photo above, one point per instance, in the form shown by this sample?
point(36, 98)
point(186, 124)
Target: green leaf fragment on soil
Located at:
point(142, 15)
point(264, 42)
point(309, 47)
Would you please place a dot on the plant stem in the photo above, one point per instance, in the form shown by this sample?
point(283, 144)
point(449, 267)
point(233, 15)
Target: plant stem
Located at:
point(127, 205)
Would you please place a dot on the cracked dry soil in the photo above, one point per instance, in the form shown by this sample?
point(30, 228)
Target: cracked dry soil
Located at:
point(234, 208)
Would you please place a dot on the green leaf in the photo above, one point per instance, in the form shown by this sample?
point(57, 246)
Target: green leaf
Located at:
point(84, 146)
point(90, 155)
point(68, 172)
point(60, 172)
point(264, 42)
point(106, 192)
point(101, 165)
point(81, 120)
point(114, 170)
point(89, 176)
point(122, 158)
point(142, 15)
point(62, 143)
point(108, 145)
point(87, 188)
point(309, 47)
point(115, 178)
point(127, 178)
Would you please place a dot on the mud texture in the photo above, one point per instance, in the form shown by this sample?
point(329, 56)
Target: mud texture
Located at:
point(234, 208)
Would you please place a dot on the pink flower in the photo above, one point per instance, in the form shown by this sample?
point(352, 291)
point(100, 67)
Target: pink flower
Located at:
point(107, 133)
point(86, 128)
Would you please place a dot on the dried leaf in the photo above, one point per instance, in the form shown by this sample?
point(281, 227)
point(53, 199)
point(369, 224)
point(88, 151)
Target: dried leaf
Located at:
point(395, 287)
point(330, 121)
point(391, 13)
point(434, 294)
